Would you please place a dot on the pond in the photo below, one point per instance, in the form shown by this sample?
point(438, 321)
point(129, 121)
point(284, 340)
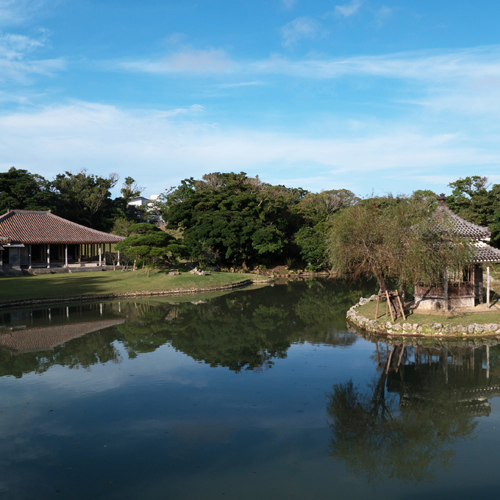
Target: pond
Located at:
point(260, 393)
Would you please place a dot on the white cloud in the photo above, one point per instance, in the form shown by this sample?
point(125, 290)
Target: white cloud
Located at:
point(239, 84)
point(189, 61)
point(382, 14)
point(348, 9)
point(16, 62)
point(432, 66)
point(18, 11)
point(302, 27)
point(163, 149)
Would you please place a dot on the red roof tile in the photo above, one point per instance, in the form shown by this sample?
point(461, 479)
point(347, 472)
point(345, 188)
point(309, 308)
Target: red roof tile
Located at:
point(26, 226)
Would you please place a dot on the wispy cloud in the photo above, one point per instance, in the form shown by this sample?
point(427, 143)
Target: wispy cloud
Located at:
point(382, 14)
point(289, 3)
point(188, 61)
point(302, 27)
point(349, 9)
point(18, 11)
point(470, 64)
point(16, 62)
point(239, 84)
point(85, 133)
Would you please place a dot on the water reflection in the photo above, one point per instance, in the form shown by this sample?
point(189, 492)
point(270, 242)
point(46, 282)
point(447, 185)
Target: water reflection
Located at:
point(407, 422)
point(247, 330)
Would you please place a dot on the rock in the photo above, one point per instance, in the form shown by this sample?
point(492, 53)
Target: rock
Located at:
point(407, 326)
point(437, 326)
point(470, 329)
point(478, 329)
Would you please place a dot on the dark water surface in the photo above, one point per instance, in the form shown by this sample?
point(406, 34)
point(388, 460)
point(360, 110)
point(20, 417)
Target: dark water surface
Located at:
point(261, 393)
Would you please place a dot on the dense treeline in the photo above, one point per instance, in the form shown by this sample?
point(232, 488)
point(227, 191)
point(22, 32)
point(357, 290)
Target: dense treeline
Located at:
point(225, 219)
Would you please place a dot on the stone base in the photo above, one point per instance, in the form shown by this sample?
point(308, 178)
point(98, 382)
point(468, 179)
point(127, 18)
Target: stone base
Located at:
point(439, 304)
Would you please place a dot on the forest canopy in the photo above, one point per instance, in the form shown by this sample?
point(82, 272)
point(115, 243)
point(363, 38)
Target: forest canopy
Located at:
point(235, 220)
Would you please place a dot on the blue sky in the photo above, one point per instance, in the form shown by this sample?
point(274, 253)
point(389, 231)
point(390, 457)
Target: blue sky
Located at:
point(372, 96)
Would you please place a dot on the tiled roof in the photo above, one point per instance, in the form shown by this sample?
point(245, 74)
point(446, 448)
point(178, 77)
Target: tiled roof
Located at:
point(461, 226)
point(485, 253)
point(26, 226)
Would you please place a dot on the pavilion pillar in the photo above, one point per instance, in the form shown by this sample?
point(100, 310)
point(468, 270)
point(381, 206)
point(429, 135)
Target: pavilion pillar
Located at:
point(488, 285)
point(100, 254)
point(48, 255)
point(66, 255)
point(118, 263)
point(29, 256)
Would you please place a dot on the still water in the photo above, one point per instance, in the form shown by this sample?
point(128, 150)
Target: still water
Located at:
point(261, 393)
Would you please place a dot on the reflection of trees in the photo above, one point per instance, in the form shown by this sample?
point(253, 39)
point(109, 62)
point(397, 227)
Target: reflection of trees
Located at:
point(248, 329)
point(81, 352)
point(322, 307)
point(380, 435)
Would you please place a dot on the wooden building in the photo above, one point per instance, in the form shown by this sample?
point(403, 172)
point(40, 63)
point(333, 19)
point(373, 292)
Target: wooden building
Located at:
point(466, 288)
point(39, 239)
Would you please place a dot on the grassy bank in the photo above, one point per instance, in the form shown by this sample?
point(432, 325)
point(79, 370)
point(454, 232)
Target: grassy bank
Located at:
point(481, 318)
point(54, 286)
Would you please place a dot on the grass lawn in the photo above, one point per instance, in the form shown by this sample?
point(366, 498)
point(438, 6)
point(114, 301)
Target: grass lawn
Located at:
point(65, 285)
point(368, 311)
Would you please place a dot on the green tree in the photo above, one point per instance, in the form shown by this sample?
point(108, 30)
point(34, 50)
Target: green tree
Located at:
point(476, 201)
point(238, 218)
point(22, 190)
point(395, 239)
point(148, 244)
point(86, 198)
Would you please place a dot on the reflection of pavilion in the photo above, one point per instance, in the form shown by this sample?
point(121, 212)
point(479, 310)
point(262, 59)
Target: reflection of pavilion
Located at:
point(19, 341)
point(459, 374)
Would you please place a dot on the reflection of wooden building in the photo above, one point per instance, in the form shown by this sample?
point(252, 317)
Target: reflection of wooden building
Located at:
point(465, 289)
point(19, 341)
point(36, 239)
point(456, 375)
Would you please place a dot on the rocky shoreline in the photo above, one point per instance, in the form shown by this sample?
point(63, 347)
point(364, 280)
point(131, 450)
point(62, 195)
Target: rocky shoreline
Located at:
point(414, 330)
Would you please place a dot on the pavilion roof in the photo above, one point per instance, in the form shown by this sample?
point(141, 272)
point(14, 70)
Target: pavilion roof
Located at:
point(32, 227)
point(461, 226)
point(485, 253)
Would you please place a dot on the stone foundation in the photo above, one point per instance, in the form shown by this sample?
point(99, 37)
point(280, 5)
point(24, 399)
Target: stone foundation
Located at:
point(439, 304)
point(413, 329)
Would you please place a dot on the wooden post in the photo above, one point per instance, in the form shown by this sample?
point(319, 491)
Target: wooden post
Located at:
point(118, 257)
point(100, 254)
point(488, 285)
point(389, 302)
point(29, 256)
point(376, 310)
point(66, 255)
point(48, 255)
point(389, 360)
point(402, 308)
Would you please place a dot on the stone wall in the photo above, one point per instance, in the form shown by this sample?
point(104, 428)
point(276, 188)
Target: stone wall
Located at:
point(412, 329)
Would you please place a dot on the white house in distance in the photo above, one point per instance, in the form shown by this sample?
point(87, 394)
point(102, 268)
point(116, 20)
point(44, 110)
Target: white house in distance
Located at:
point(140, 201)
